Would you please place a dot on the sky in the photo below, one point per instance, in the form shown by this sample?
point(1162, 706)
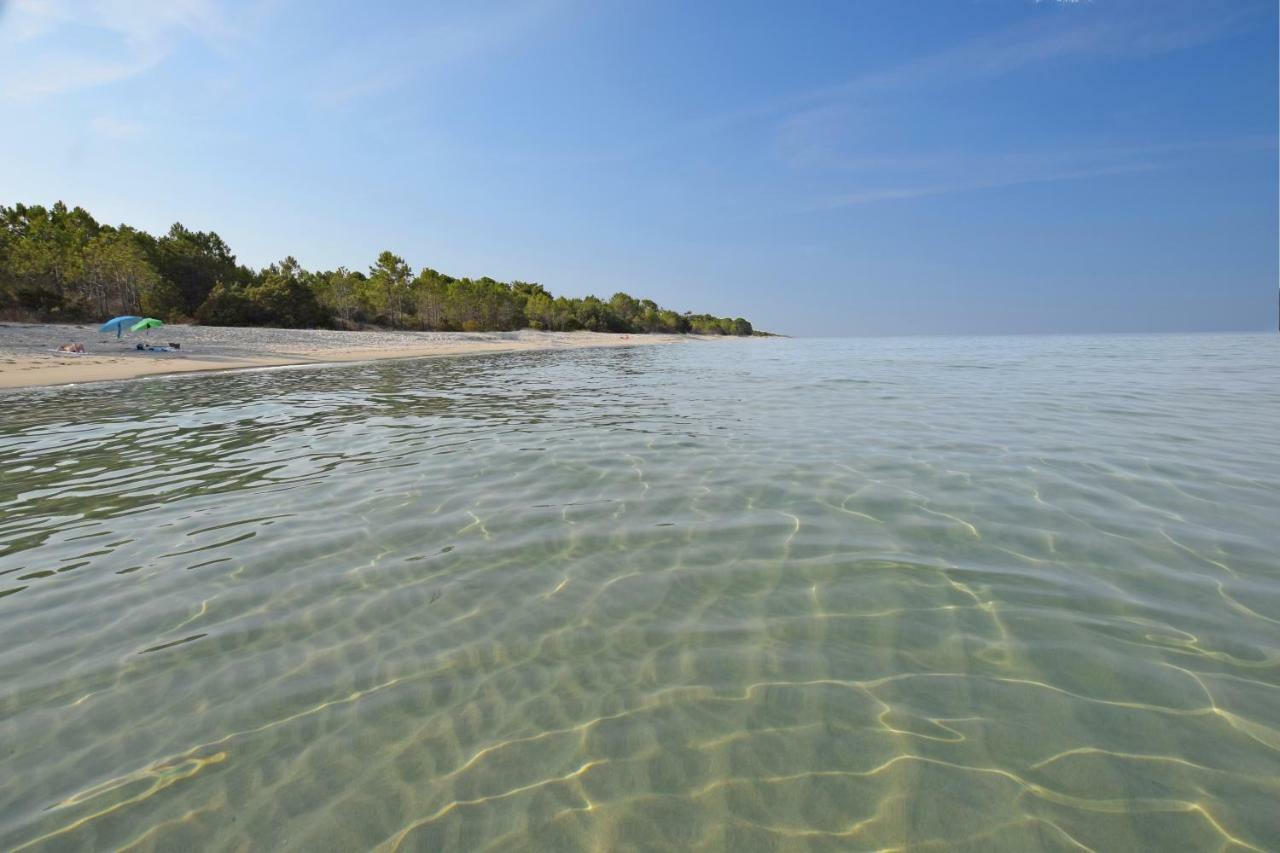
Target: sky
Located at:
point(851, 167)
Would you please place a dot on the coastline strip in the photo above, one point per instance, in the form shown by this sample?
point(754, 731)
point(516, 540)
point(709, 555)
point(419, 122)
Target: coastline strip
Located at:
point(27, 371)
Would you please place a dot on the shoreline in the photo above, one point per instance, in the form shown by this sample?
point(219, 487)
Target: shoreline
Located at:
point(29, 357)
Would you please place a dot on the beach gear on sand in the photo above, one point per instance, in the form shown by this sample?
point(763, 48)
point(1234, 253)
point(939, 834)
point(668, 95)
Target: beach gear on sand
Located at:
point(117, 324)
point(146, 348)
point(147, 323)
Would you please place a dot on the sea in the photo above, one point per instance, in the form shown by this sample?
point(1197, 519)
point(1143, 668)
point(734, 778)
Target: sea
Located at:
point(1001, 593)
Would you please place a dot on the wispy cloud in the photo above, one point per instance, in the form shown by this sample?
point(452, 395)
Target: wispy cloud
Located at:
point(801, 122)
point(892, 176)
point(1089, 32)
point(1110, 33)
point(115, 128)
point(843, 131)
point(400, 58)
point(49, 47)
point(868, 196)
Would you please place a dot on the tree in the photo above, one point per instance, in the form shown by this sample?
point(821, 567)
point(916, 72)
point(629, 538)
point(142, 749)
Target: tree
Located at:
point(227, 305)
point(592, 314)
point(44, 259)
point(527, 289)
point(117, 275)
point(431, 298)
point(672, 323)
point(281, 297)
point(627, 310)
point(337, 293)
point(161, 299)
point(278, 296)
point(539, 311)
point(58, 263)
point(565, 315)
point(390, 277)
point(195, 261)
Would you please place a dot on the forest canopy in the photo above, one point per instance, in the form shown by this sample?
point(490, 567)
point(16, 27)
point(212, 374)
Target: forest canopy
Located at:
point(59, 264)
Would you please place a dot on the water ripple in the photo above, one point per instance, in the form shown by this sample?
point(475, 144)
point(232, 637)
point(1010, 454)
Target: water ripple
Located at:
point(1007, 593)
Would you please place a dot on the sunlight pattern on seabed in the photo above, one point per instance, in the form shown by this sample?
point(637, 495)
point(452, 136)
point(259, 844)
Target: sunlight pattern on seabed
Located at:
point(1015, 593)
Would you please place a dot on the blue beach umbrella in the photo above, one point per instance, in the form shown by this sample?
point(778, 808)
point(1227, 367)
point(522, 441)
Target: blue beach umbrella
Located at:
point(118, 324)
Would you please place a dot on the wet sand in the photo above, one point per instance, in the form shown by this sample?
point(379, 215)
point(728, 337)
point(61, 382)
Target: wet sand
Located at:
point(29, 351)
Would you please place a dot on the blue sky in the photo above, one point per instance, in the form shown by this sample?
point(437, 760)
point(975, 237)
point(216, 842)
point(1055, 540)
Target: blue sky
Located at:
point(844, 167)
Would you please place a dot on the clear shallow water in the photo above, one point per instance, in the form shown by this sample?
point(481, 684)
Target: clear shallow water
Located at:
point(1006, 593)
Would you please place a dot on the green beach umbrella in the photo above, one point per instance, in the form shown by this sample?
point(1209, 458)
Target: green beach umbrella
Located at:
point(148, 323)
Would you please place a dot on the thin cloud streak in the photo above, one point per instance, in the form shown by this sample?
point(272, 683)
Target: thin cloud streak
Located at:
point(117, 129)
point(1021, 169)
point(810, 138)
point(1045, 39)
point(1042, 40)
point(405, 57)
point(128, 38)
point(1108, 153)
point(871, 196)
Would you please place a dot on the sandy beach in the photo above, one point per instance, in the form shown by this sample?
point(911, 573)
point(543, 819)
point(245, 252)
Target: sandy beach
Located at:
point(29, 353)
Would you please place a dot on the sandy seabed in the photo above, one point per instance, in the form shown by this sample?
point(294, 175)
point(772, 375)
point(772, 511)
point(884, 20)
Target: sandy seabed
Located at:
point(29, 351)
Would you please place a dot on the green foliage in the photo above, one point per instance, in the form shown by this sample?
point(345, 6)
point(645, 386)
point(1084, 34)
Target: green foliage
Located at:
point(277, 296)
point(705, 324)
point(116, 273)
point(430, 294)
point(540, 311)
point(162, 300)
point(227, 305)
point(337, 292)
point(60, 264)
point(593, 315)
point(195, 261)
point(625, 309)
point(387, 289)
point(41, 265)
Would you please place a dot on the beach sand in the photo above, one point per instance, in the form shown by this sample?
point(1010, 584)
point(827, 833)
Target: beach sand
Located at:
point(29, 351)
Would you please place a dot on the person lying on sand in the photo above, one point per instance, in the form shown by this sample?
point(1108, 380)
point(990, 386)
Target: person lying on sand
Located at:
point(77, 348)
